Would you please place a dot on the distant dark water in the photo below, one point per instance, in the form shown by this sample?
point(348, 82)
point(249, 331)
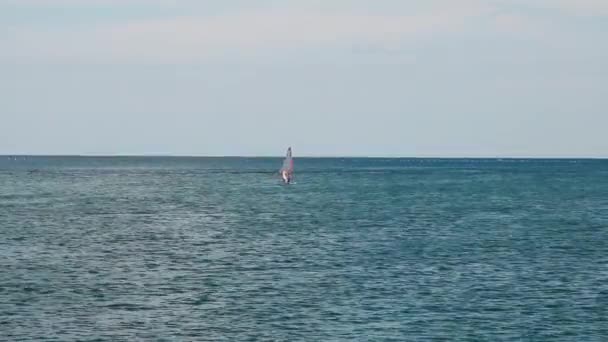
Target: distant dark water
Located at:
point(214, 249)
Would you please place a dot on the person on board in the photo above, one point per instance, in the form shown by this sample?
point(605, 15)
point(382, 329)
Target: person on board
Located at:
point(286, 176)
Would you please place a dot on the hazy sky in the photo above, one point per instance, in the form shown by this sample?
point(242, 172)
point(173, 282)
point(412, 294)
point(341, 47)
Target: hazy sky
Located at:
point(328, 77)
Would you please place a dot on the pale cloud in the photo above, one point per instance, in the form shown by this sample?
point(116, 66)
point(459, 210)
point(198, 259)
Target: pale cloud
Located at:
point(577, 7)
point(285, 26)
point(523, 26)
point(183, 39)
point(568, 7)
point(49, 3)
point(580, 6)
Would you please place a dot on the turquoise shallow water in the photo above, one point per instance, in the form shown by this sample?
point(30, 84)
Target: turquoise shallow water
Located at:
point(215, 249)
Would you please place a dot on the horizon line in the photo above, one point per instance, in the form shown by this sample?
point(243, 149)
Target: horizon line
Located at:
point(296, 157)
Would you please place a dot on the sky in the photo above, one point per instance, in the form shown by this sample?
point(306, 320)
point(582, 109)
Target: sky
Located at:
point(428, 78)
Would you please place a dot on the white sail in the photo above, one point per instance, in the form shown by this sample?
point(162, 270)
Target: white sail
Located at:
point(287, 169)
point(288, 162)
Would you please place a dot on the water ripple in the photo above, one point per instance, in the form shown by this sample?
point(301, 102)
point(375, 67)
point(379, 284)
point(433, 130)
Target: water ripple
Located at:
point(374, 249)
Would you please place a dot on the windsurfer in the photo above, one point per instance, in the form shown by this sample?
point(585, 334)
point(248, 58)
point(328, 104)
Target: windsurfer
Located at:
point(286, 177)
point(287, 169)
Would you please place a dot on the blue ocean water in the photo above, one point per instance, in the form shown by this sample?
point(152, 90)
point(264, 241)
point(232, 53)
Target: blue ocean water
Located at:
point(216, 249)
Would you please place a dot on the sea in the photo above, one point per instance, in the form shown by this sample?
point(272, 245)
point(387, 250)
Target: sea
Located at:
point(357, 249)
